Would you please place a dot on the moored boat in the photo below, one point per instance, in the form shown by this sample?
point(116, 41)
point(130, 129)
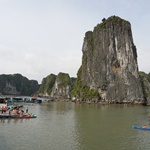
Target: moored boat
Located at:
point(38, 101)
point(17, 99)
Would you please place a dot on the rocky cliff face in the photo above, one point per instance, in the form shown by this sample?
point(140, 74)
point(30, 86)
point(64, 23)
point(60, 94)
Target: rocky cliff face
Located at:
point(109, 62)
point(57, 86)
point(62, 86)
point(47, 85)
point(145, 82)
point(16, 84)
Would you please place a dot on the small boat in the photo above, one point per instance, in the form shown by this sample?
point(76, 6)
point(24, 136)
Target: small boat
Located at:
point(17, 99)
point(140, 128)
point(38, 101)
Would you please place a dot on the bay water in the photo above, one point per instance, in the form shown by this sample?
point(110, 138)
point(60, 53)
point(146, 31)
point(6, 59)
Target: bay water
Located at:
point(70, 126)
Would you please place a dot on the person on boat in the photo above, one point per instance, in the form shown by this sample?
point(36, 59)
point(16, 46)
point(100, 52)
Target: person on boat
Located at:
point(22, 111)
point(144, 126)
point(9, 112)
point(2, 109)
point(17, 111)
point(29, 115)
point(27, 110)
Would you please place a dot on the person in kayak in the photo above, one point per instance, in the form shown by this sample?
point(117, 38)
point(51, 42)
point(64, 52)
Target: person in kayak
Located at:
point(144, 126)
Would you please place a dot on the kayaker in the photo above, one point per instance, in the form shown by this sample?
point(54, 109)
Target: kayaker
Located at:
point(144, 126)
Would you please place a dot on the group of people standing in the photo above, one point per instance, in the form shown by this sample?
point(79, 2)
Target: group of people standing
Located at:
point(18, 111)
point(14, 110)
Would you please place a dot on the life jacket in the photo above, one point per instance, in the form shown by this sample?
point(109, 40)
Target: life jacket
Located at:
point(3, 108)
point(144, 127)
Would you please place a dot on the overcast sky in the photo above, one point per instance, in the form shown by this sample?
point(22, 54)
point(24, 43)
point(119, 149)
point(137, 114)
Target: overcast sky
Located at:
point(40, 37)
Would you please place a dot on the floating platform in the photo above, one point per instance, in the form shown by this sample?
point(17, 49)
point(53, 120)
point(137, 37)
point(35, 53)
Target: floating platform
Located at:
point(3, 116)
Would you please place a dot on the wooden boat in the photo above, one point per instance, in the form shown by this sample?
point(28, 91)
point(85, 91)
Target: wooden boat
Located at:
point(3, 116)
point(140, 128)
point(23, 116)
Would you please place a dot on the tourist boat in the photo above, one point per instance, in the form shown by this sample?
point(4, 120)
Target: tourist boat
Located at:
point(17, 99)
point(4, 116)
point(140, 128)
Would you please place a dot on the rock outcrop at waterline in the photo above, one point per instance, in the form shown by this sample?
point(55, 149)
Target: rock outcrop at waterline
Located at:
point(109, 63)
point(145, 82)
point(57, 86)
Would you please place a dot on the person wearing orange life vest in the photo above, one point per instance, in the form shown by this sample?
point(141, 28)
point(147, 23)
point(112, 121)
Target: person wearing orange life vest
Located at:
point(5, 108)
point(144, 126)
point(2, 109)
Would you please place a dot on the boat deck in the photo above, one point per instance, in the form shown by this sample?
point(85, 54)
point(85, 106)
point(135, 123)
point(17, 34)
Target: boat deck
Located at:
point(5, 116)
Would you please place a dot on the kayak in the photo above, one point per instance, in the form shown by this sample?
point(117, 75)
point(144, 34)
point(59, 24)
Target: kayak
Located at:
point(140, 128)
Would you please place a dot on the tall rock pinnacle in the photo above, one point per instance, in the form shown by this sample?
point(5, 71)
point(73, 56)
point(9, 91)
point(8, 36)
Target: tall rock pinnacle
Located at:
point(109, 61)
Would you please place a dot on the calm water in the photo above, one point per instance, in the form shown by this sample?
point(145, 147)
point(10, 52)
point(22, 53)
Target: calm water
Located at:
point(69, 126)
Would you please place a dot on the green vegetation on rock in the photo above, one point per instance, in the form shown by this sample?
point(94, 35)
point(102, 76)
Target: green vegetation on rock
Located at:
point(57, 86)
point(47, 84)
point(82, 91)
point(145, 78)
point(143, 74)
point(63, 79)
point(112, 20)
